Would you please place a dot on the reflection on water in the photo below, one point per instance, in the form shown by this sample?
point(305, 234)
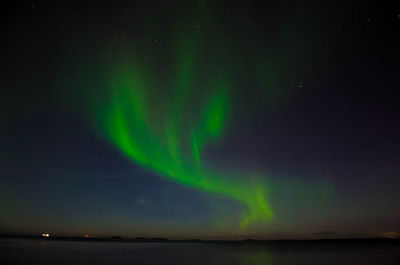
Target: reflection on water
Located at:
point(257, 257)
point(25, 251)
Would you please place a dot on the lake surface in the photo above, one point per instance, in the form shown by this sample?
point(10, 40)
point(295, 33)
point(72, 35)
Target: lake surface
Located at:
point(34, 251)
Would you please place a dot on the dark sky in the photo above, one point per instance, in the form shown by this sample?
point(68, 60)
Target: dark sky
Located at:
point(209, 119)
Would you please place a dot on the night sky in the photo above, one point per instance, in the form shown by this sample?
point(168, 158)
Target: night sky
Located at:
point(201, 119)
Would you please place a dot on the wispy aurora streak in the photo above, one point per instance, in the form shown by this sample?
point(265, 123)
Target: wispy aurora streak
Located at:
point(167, 132)
point(165, 123)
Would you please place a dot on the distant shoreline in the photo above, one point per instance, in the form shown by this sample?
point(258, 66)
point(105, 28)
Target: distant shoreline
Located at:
point(245, 241)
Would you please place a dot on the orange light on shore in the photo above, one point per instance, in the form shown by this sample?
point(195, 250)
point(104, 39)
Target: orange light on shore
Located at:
point(45, 235)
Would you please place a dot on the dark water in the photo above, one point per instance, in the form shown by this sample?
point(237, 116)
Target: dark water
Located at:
point(31, 251)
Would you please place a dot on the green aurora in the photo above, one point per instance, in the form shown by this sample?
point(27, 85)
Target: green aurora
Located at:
point(170, 139)
point(167, 133)
point(165, 120)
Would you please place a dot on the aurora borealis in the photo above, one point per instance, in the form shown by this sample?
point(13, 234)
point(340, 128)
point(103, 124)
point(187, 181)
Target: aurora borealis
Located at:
point(201, 119)
point(171, 138)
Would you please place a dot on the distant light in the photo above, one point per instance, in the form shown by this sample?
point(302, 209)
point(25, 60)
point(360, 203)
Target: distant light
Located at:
point(45, 235)
point(392, 235)
point(86, 235)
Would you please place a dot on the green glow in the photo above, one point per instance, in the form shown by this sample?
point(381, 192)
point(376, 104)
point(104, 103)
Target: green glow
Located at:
point(165, 124)
point(168, 134)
